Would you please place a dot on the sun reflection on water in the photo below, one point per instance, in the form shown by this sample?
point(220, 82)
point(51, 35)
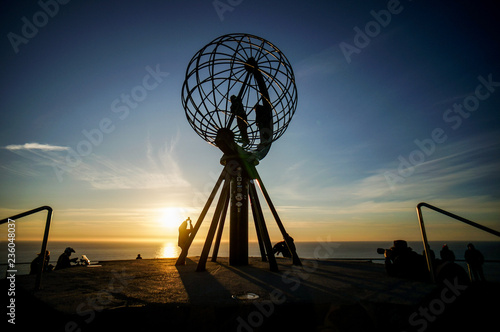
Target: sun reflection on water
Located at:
point(168, 250)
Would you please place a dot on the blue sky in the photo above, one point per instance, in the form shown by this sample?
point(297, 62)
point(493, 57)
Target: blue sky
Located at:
point(402, 112)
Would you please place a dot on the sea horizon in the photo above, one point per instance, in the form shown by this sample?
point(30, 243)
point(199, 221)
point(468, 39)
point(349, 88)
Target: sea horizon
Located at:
point(97, 251)
point(309, 249)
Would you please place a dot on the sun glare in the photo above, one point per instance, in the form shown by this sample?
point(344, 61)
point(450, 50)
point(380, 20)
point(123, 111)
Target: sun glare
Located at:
point(171, 217)
point(168, 250)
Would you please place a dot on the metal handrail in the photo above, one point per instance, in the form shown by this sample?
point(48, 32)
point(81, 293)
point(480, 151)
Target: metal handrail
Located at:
point(449, 214)
point(38, 280)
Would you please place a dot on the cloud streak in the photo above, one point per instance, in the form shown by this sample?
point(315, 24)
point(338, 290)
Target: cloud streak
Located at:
point(36, 146)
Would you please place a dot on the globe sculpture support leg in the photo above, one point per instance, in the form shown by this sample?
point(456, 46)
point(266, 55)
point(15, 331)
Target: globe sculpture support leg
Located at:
point(262, 233)
point(286, 236)
point(238, 191)
point(220, 230)
point(181, 260)
point(213, 227)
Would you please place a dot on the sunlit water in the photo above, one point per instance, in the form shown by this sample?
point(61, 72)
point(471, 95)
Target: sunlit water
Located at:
point(104, 251)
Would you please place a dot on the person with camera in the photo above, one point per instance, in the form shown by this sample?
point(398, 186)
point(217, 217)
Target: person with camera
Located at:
point(402, 262)
point(64, 260)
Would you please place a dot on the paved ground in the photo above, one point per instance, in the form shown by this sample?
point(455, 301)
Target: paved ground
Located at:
point(149, 295)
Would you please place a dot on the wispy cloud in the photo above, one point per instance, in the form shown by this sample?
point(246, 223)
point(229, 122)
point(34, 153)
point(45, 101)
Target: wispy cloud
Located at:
point(157, 169)
point(37, 158)
point(460, 176)
point(103, 173)
point(35, 146)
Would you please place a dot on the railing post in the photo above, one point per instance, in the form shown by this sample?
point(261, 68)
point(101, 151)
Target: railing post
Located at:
point(45, 236)
point(427, 250)
point(38, 280)
point(451, 215)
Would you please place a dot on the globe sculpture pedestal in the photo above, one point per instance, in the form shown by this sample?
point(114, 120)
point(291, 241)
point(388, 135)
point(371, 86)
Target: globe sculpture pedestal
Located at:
point(239, 95)
point(238, 216)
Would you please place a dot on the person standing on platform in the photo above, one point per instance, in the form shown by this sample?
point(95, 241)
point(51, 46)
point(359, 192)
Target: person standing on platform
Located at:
point(475, 261)
point(184, 232)
point(446, 254)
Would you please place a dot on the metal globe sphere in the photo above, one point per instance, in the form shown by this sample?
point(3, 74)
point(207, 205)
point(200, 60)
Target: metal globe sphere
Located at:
point(240, 87)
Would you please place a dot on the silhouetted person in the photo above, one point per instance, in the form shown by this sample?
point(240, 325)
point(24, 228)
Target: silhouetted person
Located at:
point(225, 141)
point(64, 260)
point(138, 256)
point(241, 118)
point(446, 254)
point(475, 261)
point(450, 271)
point(35, 264)
point(184, 232)
point(264, 120)
point(281, 248)
point(401, 261)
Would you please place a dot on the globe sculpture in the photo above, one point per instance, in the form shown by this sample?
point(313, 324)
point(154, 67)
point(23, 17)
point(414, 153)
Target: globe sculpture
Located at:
point(239, 95)
point(241, 84)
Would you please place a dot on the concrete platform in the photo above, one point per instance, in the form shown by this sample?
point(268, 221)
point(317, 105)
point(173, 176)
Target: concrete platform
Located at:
point(326, 295)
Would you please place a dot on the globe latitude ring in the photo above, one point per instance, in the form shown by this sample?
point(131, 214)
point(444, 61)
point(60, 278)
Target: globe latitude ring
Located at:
point(240, 86)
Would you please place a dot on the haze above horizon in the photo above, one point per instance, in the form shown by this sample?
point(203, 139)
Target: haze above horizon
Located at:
point(391, 112)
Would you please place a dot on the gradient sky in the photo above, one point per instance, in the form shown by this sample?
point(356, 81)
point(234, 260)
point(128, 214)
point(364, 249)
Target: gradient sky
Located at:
point(405, 111)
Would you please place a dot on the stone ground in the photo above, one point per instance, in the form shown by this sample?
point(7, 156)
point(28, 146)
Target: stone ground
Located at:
point(322, 295)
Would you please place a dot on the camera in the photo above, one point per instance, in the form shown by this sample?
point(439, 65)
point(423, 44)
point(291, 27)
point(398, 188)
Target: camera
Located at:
point(388, 253)
point(400, 247)
point(84, 261)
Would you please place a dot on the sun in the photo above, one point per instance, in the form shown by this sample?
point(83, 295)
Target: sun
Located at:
point(171, 217)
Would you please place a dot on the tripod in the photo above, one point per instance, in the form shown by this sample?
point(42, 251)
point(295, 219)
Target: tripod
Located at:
point(239, 177)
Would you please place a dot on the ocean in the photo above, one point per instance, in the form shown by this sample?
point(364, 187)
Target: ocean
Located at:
point(26, 251)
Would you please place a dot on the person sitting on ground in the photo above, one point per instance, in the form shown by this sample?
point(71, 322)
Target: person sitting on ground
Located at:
point(64, 260)
point(138, 256)
point(35, 264)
